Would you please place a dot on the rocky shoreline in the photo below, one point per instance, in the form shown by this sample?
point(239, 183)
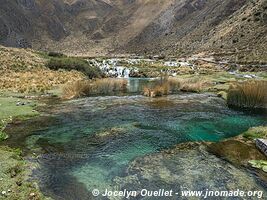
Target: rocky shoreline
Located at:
point(200, 165)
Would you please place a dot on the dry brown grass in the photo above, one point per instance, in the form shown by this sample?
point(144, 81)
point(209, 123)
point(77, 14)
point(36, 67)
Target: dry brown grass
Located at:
point(193, 84)
point(19, 59)
point(174, 84)
point(170, 85)
point(163, 87)
point(109, 86)
point(37, 80)
point(24, 71)
point(249, 94)
point(157, 91)
point(77, 89)
point(94, 87)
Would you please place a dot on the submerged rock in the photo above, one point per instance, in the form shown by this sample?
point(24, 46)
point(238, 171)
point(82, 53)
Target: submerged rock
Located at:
point(189, 166)
point(111, 132)
point(236, 151)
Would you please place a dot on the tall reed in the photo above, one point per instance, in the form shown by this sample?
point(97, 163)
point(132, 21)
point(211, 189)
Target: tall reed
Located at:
point(164, 86)
point(84, 88)
point(249, 94)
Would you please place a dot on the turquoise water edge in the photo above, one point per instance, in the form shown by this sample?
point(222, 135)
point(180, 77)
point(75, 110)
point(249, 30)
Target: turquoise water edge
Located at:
point(119, 142)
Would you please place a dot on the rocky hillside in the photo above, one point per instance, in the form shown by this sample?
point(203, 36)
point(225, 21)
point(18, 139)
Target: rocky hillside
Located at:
point(90, 27)
point(231, 27)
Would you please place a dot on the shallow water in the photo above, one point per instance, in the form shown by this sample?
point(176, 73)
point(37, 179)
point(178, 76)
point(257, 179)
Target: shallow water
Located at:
point(91, 142)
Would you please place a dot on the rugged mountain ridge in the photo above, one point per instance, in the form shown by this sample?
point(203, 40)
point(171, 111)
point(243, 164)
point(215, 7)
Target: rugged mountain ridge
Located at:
point(237, 27)
point(89, 27)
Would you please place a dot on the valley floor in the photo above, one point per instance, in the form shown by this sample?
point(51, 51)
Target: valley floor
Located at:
point(29, 90)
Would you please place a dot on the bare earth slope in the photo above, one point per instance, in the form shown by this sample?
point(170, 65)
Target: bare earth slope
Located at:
point(94, 27)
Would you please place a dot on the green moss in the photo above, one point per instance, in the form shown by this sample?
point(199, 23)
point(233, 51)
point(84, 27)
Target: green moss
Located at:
point(10, 110)
point(256, 132)
point(259, 164)
point(43, 54)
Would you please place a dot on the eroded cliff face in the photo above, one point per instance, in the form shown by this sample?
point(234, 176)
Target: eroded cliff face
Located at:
point(142, 26)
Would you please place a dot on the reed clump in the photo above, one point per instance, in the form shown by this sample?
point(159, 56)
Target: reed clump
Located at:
point(84, 88)
point(249, 94)
point(77, 89)
point(157, 91)
point(193, 84)
point(162, 87)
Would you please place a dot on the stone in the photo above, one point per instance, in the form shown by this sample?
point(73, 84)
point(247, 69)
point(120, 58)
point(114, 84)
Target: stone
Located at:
point(32, 194)
point(262, 145)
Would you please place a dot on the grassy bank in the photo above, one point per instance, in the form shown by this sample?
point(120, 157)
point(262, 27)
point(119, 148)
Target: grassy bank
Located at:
point(14, 108)
point(14, 170)
point(14, 173)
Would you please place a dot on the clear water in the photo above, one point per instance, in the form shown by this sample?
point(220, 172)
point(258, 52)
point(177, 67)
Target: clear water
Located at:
point(92, 141)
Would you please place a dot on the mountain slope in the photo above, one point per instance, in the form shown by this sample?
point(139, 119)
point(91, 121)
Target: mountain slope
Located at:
point(197, 25)
point(93, 27)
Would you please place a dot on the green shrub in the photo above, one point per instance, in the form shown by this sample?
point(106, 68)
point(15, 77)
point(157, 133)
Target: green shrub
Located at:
point(56, 54)
point(69, 63)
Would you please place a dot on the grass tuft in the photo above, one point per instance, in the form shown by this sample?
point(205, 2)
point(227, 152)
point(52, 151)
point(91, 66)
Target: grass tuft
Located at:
point(84, 88)
point(193, 84)
point(164, 86)
point(170, 85)
point(249, 94)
